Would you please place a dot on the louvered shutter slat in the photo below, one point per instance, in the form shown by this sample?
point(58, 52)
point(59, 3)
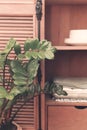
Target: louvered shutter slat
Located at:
point(25, 117)
point(17, 20)
point(23, 28)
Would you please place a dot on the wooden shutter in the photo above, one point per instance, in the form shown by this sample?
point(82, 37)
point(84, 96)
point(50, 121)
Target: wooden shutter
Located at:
point(18, 20)
point(18, 27)
point(27, 116)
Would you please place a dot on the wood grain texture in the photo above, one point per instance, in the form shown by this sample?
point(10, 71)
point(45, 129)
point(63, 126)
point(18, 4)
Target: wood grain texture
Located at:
point(66, 18)
point(66, 2)
point(70, 61)
point(66, 118)
point(67, 64)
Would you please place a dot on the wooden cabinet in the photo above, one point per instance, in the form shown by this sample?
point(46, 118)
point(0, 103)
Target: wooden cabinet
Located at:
point(70, 61)
point(61, 17)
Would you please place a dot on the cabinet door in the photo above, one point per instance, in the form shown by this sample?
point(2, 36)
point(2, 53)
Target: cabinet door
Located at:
point(66, 118)
point(18, 20)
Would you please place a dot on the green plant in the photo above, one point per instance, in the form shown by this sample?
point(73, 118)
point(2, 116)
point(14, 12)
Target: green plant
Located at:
point(18, 74)
point(21, 70)
point(52, 88)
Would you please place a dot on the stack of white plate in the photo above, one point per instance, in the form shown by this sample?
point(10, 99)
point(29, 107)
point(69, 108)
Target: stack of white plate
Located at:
point(77, 37)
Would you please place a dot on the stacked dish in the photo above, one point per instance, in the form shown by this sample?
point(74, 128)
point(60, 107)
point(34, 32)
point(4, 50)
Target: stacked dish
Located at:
point(77, 37)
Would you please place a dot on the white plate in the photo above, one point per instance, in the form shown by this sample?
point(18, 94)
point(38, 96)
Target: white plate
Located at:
point(75, 42)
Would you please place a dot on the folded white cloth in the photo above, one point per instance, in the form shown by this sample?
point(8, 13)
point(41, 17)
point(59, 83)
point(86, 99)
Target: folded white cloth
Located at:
point(75, 87)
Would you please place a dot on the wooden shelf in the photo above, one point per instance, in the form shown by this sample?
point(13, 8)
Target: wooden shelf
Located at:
point(71, 47)
point(56, 103)
point(70, 61)
point(66, 1)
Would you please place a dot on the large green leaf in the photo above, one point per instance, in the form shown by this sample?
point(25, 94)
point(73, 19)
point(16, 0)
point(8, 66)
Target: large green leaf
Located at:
point(17, 67)
point(6, 51)
point(43, 45)
point(14, 92)
point(21, 56)
point(32, 68)
point(53, 88)
point(36, 49)
point(41, 55)
point(20, 74)
point(27, 45)
point(19, 79)
point(2, 60)
point(31, 44)
point(28, 55)
point(31, 71)
point(20, 82)
point(9, 46)
point(49, 54)
point(17, 76)
point(30, 81)
point(17, 49)
point(32, 55)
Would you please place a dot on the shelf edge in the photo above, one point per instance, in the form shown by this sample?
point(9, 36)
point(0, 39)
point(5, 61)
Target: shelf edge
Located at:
point(71, 47)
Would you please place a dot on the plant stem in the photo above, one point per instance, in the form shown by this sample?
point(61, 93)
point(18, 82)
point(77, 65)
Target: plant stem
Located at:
point(12, 118)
